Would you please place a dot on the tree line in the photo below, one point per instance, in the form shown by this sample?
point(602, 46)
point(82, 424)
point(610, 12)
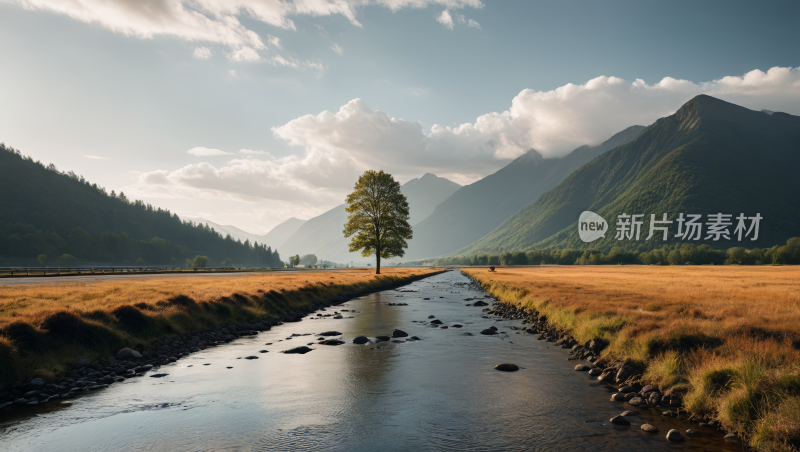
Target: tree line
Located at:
point(677, 254)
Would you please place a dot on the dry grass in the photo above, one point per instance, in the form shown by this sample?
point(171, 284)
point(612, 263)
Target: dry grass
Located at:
point(45, 327)
point(727, 336)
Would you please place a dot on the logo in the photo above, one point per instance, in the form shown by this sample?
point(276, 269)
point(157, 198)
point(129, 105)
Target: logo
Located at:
point(591, 226)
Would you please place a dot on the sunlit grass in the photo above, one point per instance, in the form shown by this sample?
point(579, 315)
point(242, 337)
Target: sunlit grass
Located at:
point(729, 337)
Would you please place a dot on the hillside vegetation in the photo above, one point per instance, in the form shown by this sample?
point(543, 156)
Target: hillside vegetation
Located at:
point(45, 211)
point(709, 157)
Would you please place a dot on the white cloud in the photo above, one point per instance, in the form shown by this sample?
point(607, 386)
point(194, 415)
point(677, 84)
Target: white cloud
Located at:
point(233, 73)
point(202, 53)
point(95, 157)
point(445, 19)
point(337, 49)
point(252, 152)
point(473, 24)
point(335, 147)
point(217, 21)
point(206, 152)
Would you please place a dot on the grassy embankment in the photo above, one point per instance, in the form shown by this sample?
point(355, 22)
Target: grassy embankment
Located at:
point(44, 328)
point(727, 336)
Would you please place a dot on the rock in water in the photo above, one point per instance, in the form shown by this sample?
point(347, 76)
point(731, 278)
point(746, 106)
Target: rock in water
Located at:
point(332, 342)
point(674, 436)
point(619, 420)
point(480, 303)
point(251, 357)
point(158, 375)
point(127, 353)
point(488, 332)
point(301, 350)
point(383, 338)
point(582, 367)
point(360, 340)
point(436, 322)
point(330, 333)
point(649, 428)
point(399, 333)
point(731, 438)
point(507, 367)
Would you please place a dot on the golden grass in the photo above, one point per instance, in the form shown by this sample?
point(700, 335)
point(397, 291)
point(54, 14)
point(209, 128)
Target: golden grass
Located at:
point(45, 327)
point(727, 336)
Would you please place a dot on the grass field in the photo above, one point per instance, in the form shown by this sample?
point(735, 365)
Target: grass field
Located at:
point(729, 337)
point(45, 327)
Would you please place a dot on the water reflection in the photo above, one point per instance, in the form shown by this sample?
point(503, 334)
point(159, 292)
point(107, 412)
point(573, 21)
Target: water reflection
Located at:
point(440, 393)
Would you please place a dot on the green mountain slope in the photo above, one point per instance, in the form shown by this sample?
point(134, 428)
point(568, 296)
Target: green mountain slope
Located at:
point(709, 157)
point(478, 208)
point(44, 211)
point(322, 235)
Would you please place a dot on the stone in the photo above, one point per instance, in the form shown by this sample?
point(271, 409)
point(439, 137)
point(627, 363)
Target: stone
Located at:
point(383, 338)
point(606, 377)
point(629, 413)
point(619, 420)
point(674, 436)
point(507, 367)
point(436, 322)
point(145, 368)
point(263, 351)
point(618, 397)
point(3, 406)
point(467, 334)
point(360, 340)
point(332, 342)
point(649, 428)
point(158, 375)
point(30, 394)
point(648, 388)
point(330, 333)
point(37, 382)
point(431, 317)
point(480, 303)
point(731, 438)
point(582, 368)
point(595, 372)
point(128, 353)
point(399, 333)
point(302, 350)
point(625, 389)
point(636, 401)
point(488, 332)
point(415, 338)
point(457, 326)
point(251, 357)
point(690, 432)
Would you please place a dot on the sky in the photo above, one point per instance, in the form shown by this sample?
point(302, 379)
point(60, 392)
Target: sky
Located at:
point(249, 112)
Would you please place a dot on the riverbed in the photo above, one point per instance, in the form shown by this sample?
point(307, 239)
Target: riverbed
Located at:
point(439, 393)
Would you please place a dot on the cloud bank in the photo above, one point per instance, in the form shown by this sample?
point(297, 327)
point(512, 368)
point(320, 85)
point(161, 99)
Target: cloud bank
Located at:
point(217, 21)
point(335, 147)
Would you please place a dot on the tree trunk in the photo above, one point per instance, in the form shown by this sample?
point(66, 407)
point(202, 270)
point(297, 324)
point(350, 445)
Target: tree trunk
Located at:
point(378, 262)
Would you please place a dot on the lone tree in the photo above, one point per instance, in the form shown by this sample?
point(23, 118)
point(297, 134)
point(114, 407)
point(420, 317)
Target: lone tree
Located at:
point(378, 217)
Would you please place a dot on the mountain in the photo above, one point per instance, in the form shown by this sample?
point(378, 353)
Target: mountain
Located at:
point(322, 235)
point(46, 211)
point(476, 209)
point(273, 238)
point(278, 235)
point(709, 157)
point(425, 193)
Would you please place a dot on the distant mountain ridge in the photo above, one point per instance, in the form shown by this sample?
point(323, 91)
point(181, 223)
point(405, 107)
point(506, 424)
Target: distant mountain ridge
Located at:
point(323, 236)
point(274, 238)
point(709, 157)
point(476, 209)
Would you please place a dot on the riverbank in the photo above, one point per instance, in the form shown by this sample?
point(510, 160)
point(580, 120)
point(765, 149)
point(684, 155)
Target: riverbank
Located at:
point(47, 329)
point(722, 342)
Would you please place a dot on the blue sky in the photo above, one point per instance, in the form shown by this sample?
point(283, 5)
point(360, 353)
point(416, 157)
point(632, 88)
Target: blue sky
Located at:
point(122, 96)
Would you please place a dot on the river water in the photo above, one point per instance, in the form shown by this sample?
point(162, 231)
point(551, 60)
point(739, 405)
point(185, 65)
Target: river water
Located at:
point(439, 393)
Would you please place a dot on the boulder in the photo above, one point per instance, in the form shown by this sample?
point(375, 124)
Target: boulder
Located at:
point(360, 340)
point(649, 428)
point(383, 338)
point(488, 332)
point(480, 303)
point(618, 397)
point(582, 368)
point(674, 436)
point(399, 333)
point(649, 388)
point(625, 389)
point(636, 401)
point(436, 322)
point(127, 353)
point(507, 367)
point(620, 420)
point(596, 371)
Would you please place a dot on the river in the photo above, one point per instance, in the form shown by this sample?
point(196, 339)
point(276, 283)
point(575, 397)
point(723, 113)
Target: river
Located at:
point(439, 393)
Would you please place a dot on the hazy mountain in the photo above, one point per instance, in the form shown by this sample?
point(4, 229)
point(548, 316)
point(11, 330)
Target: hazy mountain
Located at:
point(322, 235)
point(476, 209)
point(283, 231)
point(709, 157)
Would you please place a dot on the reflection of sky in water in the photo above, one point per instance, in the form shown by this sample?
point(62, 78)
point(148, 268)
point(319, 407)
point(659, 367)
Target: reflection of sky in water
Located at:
point(440, 393)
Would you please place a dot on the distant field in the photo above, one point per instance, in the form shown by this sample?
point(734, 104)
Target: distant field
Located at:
point(727, 336)
point(45, 326)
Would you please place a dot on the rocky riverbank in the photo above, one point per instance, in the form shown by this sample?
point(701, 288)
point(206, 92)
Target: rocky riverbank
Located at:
point(623, 377)
point(100, 373)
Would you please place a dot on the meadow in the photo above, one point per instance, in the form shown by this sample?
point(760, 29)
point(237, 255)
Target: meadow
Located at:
point(46, 328)
point(726, 337)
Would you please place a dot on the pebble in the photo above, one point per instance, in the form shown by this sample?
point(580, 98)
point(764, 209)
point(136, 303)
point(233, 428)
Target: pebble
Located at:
point(158, 375)
point(251, 357)
point(263, 351)
point(731, 438)
point(649, 428)
point(298, 350)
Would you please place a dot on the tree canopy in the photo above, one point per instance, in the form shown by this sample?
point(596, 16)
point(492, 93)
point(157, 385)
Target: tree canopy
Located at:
point(378, 217)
